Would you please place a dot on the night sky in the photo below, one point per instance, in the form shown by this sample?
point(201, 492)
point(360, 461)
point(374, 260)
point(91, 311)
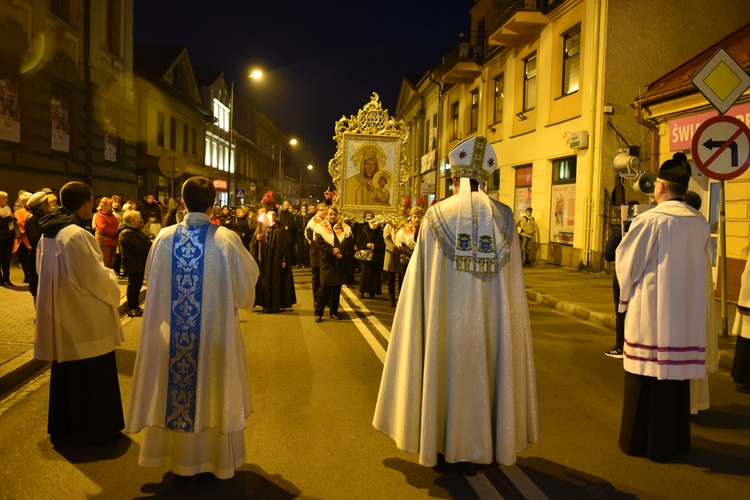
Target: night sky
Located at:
point(321, 59)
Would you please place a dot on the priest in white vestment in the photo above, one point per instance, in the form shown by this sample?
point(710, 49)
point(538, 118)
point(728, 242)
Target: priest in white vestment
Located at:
point(459, 379)
point(191, 390)
point(662, 265)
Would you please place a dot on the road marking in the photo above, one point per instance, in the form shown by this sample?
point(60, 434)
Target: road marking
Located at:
point(483, 487)
point(360, 324)
point(374, 321)
point(521, 481)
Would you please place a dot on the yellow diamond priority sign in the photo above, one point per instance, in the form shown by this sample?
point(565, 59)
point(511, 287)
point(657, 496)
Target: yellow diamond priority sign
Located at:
point(721, 80)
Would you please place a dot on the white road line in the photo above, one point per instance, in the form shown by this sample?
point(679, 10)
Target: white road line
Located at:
point(525, 485)
point(479, 483)
point(379, 351)
point(483, 487)
point(385, 332)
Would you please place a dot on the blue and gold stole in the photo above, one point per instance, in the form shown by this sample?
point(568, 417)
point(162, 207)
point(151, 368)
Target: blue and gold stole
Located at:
point(188, 253)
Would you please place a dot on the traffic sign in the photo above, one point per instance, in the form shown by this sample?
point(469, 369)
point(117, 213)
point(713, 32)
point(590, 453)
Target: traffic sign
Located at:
point(721, 147)
point(172, 164)
point(722, 80)
point(239, 193)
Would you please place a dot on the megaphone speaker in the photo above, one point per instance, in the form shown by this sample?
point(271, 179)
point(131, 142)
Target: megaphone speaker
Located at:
point(645, 183)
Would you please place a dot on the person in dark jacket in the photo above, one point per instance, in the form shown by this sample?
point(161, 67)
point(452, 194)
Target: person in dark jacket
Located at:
point(134, 247)
point(300, 221)
point(275, 288)
point(371, 237)
point(39, 207)
point(241, 226)
point(6, 239)
point(332, 240)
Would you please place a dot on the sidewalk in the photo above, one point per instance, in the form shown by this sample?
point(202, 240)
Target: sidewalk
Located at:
point(585, 295)
point(17, 361)
point(589, 296)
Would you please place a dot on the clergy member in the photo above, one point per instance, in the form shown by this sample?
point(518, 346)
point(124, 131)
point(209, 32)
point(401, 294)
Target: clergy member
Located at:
point(77, 324)
point(661, 266)
point(190, 389)
point(458, 384)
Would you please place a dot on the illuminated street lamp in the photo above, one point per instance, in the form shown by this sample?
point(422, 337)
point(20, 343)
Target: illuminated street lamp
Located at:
point(309, 167)
point(255, 74)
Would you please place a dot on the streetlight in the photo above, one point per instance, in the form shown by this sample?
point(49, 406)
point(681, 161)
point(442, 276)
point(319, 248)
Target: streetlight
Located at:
point(309, 167)
point(292, 142)
point(255, 74)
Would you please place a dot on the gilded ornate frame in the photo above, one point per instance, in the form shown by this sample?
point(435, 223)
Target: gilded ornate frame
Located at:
point(370, 135)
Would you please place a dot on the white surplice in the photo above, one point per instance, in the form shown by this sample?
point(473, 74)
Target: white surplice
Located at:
point(223, 389)
point(661, 267)
point(459, 372)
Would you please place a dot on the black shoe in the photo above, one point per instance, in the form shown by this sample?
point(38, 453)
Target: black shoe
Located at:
point(139, 310)
point(614, 353)
point(393, 302)
point(9, 283)
point(133, 313)
point(361, 295)
point(318, 319)
point(372, 295)
point(335, 316)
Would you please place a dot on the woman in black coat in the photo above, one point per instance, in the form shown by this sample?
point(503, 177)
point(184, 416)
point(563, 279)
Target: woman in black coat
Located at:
point(371, 237)
point(275, 287)
point(134, 247)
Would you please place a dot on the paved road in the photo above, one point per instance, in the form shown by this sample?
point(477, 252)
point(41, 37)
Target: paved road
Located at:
point(310, 436)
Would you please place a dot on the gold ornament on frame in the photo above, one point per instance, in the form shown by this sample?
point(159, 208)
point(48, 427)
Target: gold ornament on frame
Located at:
point(370, 169)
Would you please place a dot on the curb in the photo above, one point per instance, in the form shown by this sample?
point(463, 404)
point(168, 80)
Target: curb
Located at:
point(22, 367)
point(726, 356)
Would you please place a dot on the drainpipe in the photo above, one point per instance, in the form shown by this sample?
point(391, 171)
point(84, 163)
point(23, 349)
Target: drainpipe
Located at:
point(438, 179)
point(654, 164)
point(588, 227)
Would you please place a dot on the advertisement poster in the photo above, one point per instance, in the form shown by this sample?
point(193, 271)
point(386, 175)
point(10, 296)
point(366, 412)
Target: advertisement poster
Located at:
point(10, 112)
point(562, 215)
point(522, 197)
point(60, 126)
point(110, 141)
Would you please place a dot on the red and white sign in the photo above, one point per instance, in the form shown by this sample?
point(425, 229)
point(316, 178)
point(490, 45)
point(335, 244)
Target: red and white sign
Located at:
point(682, 130)
point(721, 147)
point(220, 184)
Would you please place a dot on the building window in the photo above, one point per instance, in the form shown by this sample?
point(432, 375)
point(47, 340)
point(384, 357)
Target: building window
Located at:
point(160, 128)
point(60, 8)
point(195, 143)
point(571, 61)
point(172, 133)
point(562, 215)
point(207, 155)
point(494, 182)
point(529, 83)
point(454, 121)
point(113, 26)
point(499, 98)
point(474, 114)
point(179, 81)
point(185, 139)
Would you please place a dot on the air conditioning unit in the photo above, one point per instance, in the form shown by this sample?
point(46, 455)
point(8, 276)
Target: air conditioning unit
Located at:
point(578, 140)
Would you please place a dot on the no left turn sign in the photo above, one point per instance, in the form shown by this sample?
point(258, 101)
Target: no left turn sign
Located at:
point(721, 147)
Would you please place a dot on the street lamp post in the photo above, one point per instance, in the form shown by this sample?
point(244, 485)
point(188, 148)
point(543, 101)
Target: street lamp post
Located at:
point(309, 167)
point(231, 190)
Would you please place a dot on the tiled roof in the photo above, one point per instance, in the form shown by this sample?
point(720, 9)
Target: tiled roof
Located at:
point(678, 83)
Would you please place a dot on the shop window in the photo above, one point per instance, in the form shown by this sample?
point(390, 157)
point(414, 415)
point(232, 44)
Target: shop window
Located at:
point(563, 203)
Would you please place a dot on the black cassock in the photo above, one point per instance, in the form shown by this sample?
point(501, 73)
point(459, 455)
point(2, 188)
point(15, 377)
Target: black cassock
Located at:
point(275, 287)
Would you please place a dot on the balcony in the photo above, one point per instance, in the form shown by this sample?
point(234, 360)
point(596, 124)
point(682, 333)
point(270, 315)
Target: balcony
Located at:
point(515, 20)
point(460, 64)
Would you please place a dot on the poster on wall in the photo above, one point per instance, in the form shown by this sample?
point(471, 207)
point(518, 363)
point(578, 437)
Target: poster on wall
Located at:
point(110, 141)
point(562, 215)
point(60, 126)
point(522, 201)
point(10, 111)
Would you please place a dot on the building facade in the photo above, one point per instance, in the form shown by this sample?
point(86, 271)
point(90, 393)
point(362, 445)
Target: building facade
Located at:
point(67, 96)
point(550, 83)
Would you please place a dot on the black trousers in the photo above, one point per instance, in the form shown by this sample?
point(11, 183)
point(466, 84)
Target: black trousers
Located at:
point(6, 250)
point(23, 257)
point(328, 295)
point(135, 282)
point(619, 317)
point(655, 417)
point(391, 284)
point(315, 282)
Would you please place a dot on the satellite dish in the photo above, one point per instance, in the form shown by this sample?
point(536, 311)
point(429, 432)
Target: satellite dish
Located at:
point(645, 183)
